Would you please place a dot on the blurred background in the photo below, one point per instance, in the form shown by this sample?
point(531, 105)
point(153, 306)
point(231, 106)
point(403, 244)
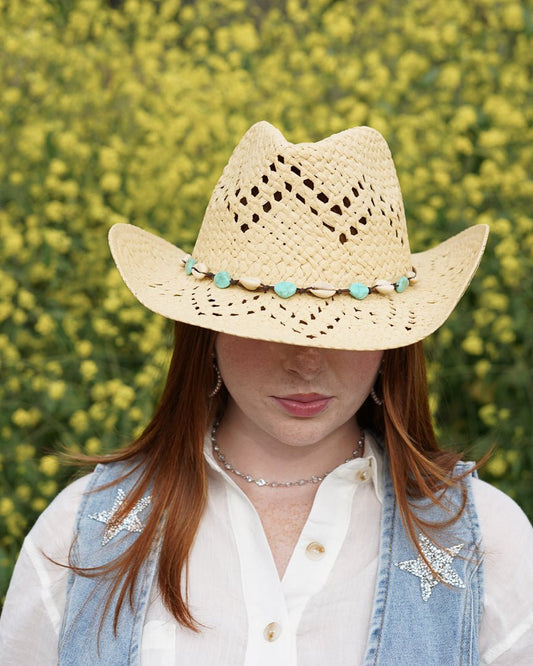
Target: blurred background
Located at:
point(127, 111)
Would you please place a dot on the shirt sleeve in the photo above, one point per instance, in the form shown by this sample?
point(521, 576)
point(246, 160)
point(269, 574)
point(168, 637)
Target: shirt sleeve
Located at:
point(506, 632)
point(35, 601)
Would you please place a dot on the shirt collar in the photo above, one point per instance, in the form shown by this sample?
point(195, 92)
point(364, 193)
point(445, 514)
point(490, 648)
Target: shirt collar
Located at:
point(372, 459)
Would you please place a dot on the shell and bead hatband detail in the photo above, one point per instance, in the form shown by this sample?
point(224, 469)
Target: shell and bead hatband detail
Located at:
point(286, 288)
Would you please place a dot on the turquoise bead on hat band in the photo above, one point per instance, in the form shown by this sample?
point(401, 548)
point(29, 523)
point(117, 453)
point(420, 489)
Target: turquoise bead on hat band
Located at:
point(402, 284)
point(286, 288)
point(359, 291)
point(189, 264)
point(222, 279)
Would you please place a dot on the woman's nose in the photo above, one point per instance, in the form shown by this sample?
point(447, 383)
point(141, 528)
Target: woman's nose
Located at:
point(304, 361)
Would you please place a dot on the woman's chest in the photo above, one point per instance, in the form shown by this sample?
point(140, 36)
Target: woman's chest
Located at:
point(251, 615)
point(283, 522)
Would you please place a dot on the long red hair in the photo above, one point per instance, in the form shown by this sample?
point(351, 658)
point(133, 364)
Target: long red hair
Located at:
point(170, 451)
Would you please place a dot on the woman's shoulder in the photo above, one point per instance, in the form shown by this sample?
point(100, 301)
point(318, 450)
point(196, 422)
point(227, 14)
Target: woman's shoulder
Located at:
point(501, 519)
point(506, 634)
point(55, 526)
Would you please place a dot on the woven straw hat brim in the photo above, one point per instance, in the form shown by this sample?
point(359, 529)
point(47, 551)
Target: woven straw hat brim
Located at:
point(152, 269)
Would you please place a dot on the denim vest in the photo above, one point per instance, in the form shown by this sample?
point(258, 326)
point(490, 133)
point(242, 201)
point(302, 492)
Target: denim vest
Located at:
point(416, 620)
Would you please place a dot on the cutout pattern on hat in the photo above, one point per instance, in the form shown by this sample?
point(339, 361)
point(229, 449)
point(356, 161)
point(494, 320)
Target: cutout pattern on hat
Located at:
point(307, 212)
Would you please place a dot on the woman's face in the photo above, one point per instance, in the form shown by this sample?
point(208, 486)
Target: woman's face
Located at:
point(296, 395)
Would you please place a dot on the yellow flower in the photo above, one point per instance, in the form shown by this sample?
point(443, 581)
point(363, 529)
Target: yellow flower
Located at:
point(88, 370)
point(93, 446)
point(79, 421)
point(54, 368)
point(56, 389)
point(6, 309)
point(136, 414)
point(483, 317)
point(84, 348)
point(57, 239)
point(99, 392)
point(48, 488)
point(513, 16)
point(45, 324)
point(512, 456)
point(11, 96)
point(495, 300)
point(97, 411)
point(489, 414)
point(497, 466)
point(123, 397)
point(26, 418)
point(450, 76)
point(504, 414)
point(7, 506)
point(433, 403)
point(138, 431)
point(54, 211)
point(16, 524)
point(473, 345)
point(13, 384)
point(512, 270)
point(70, 189)
point(110, 182)
point(503, 329)
point(39, 504)
point(110, 422)
point(492, 138)
point(49, 465)
point(19, 317)
point(57, 167)
point(24, 452)
point(108, 159)
point(482, 368)
point(26, 299)
point(16, 178)
point(23, 492)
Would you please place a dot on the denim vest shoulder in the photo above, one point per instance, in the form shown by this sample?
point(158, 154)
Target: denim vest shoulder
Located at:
point(85, 639)
point(417, 619)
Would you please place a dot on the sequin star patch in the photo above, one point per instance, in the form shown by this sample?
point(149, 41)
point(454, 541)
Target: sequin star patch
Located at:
point(130, 523)
point(440, 559)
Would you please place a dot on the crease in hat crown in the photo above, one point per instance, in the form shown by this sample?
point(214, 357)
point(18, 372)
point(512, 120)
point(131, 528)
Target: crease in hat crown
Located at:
point(312, 213)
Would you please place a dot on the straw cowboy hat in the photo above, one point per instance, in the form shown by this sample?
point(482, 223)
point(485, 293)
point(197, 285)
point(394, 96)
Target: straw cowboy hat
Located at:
point(304, 244)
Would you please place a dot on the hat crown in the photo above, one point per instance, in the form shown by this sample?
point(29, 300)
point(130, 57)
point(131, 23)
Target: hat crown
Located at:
point(329, 211)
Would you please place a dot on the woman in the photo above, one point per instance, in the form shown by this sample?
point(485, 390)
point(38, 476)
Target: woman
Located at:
point(288, 503)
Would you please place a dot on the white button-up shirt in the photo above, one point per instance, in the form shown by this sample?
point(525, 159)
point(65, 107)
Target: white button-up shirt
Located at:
point(318, 613)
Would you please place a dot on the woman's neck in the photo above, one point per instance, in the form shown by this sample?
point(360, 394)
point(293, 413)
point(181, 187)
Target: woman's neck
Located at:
point(256, 453)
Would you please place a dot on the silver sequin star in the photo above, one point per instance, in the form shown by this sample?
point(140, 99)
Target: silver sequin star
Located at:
point(130, 523)
point(440, 559)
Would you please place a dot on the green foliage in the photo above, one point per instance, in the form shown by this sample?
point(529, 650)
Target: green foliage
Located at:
point(128, 111)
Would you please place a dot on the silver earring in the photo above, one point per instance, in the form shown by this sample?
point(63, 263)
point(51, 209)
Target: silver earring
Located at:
point(375, 397)
point(218, 384)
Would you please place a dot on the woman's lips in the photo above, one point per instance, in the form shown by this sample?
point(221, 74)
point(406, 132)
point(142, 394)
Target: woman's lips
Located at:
point(303, 404)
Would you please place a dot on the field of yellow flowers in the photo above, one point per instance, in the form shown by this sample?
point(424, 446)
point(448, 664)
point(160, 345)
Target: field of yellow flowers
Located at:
point(127, 111)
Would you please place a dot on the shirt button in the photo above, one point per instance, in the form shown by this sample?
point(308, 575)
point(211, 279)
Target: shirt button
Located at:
point(315, 551)
point(362, 475)
point(272, 632)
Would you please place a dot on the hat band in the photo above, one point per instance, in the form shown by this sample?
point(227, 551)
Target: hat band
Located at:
point(286, 289)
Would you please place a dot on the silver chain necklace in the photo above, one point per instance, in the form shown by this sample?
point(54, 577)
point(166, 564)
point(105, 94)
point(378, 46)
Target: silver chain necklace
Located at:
point(276, 484)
